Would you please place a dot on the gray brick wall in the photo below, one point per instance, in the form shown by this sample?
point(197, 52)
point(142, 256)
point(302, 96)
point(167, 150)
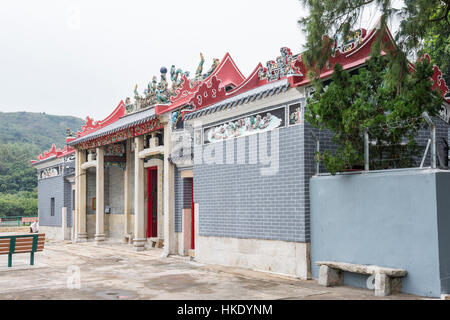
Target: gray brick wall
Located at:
point(309, 164)
point(68, 201)
point(235, 200)
point(47, 189)
point(442, 132)
point(178, 182)
point(182, 198)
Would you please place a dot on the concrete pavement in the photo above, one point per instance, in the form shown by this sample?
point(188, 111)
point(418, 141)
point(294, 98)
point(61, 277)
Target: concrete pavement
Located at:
point(113, 271)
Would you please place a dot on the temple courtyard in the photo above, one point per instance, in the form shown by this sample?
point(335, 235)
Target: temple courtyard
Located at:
point(113, 271)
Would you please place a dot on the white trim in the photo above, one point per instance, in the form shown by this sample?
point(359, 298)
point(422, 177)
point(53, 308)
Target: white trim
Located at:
point(49, 163)
point(151, 151)
point(153, 163)
point(89, 164)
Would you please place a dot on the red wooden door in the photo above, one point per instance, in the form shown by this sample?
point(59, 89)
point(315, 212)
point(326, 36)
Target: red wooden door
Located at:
point(152, 202)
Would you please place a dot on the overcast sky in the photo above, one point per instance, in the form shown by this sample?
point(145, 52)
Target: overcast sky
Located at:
point(82, 57)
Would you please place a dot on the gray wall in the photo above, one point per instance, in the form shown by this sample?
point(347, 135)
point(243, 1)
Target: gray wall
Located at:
point(61, 190)
point(182, 198)
point(113, 189)
point(443, 211)
point(442, 132)
point(388, 219)
point(235, 200)
point(90, 189)
point(68, 201)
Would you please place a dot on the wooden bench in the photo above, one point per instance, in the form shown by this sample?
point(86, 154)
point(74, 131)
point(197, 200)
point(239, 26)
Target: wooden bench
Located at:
point(387, 280)
point(21, 243)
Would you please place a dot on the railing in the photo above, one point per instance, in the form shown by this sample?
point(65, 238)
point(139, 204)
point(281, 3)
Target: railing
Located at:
point(18, 221)
point(442, 156)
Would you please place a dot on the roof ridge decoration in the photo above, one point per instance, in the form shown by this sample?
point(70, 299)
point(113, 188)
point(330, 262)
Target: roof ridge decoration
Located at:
point(350, 52)
point(436, 78)
point(226, 72)
point(439, 81)
point(54, 152)
point(208, 92)
point(353, 39)
point(160, 93)
point(91, 126)
point(283, 66)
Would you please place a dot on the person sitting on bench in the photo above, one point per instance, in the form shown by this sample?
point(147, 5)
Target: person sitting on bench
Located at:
point(34, 227)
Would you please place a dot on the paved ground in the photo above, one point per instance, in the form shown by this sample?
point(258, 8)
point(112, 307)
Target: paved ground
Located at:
point(114, 271)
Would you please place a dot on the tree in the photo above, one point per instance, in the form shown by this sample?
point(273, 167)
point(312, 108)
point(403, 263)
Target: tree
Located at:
point(16, 173)
point(423, 24)
point(19, 204)
point(354, 103)
point(438, 46)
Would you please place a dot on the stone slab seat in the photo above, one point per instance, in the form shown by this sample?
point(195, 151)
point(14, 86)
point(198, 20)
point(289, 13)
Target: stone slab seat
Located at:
point(387, 280)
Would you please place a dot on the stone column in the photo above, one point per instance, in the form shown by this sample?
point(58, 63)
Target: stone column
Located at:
point(196, 251)
point(81, 197)
point(168, 196)
point(100, 197)
point(64, 222)
point(127, 190)
point(139, 218)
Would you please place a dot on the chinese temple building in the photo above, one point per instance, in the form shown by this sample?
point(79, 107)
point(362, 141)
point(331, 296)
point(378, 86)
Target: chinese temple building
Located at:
point(215, 166)
point(56, 190)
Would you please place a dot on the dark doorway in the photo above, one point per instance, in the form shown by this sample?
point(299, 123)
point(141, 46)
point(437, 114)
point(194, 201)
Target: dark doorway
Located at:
point(152, 202)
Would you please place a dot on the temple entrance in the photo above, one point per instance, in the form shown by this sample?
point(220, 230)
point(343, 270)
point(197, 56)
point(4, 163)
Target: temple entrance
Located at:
point(152, 202)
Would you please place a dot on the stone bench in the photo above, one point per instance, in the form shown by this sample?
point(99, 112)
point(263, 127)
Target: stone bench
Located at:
point(387, 280)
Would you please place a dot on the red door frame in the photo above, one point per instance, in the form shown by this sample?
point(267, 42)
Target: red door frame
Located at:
point(152, 227)
point(192, 216)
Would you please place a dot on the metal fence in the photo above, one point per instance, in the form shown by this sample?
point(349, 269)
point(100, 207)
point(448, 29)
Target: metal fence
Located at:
point(430, 149)
point(18, 221)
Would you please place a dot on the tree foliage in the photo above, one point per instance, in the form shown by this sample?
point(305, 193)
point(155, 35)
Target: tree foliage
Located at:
point(437, 45)
point(353, 103)
point(16, 173)
point(24, 135)
point(22, 203)
point(424, 24)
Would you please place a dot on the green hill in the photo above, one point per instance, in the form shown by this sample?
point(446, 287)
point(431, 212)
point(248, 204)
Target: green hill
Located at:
point(38, 129)
point(23, 136)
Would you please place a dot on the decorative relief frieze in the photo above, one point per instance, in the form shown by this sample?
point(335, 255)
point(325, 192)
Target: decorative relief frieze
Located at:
point(256, 123)
point(115, 155)
point(70, 158)
point(295, 114)
point(49, 173)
